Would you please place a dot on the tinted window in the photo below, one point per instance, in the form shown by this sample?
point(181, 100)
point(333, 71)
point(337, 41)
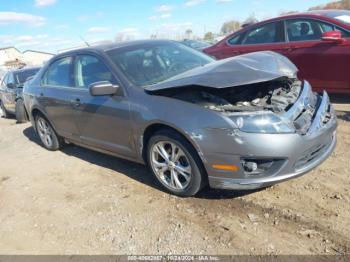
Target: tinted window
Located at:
point(343, 32)
point(58, 73)
point(4, 80)
point(150, 64)
point(196, 44)
point(10, 78)
point(262, 35)
point(88, 69)
point(308, 30)
point(234, 40)
point(21, 77)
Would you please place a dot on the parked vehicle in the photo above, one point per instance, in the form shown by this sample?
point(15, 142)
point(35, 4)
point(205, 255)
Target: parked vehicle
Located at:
point(317, 42)
point(242, 123)
point(11, 100)
point(196, 44)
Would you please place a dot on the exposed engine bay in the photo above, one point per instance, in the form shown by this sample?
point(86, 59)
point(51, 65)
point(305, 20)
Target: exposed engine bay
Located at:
point(277, 96)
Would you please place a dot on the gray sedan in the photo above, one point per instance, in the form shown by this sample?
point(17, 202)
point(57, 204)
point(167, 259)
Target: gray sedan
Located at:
point(242, 123)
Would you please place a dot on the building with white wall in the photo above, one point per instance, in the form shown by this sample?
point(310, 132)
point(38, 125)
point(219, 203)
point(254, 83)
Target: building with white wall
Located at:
point(11, 57)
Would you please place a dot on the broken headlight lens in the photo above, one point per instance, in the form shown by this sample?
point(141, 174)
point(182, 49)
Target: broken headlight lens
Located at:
point(267, 123)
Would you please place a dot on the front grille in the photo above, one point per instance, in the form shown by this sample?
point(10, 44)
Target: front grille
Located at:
point(312, 154)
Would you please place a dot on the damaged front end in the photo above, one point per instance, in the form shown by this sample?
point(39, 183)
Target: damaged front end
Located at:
point(258, 91)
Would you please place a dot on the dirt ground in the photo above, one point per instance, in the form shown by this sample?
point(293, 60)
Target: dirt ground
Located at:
point(77, 201)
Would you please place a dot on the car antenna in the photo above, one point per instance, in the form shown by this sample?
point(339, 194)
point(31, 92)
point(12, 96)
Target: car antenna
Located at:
point(87, 44)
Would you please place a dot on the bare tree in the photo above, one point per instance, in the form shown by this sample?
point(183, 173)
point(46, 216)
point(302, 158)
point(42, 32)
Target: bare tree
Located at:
point(189, 33)
point(209, 36)
point(230, 27)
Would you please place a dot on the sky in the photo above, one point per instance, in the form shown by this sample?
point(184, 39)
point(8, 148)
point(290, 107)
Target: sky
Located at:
point(53, 25)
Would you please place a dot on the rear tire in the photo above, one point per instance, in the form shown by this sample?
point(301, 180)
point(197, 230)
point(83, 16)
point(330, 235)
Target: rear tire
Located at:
point(21, 115)
point(47, 134)
point(175, 163)
point(3, 112)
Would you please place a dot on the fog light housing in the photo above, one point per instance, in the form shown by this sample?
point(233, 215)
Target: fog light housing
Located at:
point(257, 167)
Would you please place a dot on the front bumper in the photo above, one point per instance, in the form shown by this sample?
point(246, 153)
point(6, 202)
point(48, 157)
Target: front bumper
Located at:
point(255, 183)
point(299, 153)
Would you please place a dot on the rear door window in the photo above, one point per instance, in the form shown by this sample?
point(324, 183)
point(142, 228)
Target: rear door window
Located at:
point(265, 34)
point(10, 79)
point(59, 73)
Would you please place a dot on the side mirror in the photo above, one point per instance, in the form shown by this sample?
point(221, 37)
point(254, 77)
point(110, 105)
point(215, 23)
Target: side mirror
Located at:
point(103, 88)
point(10, 85)
point(332, 36)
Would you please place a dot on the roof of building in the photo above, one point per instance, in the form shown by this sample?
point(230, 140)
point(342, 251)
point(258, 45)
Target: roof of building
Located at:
point(9, 47)
point(35, 51)
point(29, 50)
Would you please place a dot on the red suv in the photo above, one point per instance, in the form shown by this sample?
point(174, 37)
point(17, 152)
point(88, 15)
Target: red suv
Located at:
point(318, 42)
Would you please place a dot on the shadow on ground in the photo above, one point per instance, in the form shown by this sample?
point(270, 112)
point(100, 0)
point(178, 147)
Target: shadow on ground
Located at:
point(343, 115)
point(340, 98)
point(133, 170)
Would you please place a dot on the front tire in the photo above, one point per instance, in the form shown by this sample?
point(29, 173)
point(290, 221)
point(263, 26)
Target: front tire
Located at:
point(21, 115)
point(47, 134)
point(175, 163)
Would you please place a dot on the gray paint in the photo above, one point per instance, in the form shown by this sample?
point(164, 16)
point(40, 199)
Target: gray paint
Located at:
point(235, 71)
point(116, 124)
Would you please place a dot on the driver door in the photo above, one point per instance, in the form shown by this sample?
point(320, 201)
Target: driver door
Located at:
point(103, 121)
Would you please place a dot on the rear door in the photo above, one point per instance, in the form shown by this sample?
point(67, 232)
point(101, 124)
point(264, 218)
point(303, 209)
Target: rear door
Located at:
point(324, 64)
point(58, 97)
point(103, 121)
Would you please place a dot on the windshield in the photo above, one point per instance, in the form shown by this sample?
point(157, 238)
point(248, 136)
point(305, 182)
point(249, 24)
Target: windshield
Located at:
point(148, 64)
point(22, 76)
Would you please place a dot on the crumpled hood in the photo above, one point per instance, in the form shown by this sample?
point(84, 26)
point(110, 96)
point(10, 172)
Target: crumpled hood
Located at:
point(236, 71)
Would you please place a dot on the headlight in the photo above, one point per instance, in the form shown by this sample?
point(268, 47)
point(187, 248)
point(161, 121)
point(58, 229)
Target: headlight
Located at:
point(264, 122)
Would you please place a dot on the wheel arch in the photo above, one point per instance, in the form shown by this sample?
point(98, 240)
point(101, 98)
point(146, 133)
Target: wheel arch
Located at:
point(35, 111)
point(153, 128)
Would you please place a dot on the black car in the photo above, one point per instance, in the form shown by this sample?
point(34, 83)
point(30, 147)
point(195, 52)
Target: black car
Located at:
point(11, 100)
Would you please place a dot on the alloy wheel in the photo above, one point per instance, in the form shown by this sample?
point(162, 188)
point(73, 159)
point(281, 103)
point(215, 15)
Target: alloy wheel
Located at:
point(171, 165)
point(45, 132)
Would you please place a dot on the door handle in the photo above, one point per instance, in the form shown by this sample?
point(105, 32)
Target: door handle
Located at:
point(292, 48)
point(75, 102)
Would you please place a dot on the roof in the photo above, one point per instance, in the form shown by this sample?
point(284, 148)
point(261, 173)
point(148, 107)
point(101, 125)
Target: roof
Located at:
point(326, 14)
point(9, 47)
point(107, 47)
point(23, 69)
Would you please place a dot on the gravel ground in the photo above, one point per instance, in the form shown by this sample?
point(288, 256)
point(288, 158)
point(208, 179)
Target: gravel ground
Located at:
point(77, 201)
